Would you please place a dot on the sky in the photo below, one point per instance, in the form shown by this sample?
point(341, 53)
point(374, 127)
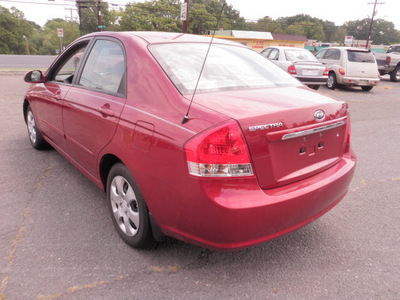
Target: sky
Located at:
point(337, 11)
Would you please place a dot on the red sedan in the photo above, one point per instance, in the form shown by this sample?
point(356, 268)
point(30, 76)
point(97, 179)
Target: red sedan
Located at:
point(208, 143)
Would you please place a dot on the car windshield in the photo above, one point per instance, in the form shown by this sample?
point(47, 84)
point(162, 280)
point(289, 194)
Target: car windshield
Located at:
point(226, 68)
point(360, 56)
point(299, 55)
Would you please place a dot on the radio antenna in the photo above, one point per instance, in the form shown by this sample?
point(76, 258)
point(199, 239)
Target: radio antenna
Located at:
point(186, 117)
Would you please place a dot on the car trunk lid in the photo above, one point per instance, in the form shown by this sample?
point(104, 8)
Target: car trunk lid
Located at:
point(309, 68)
point(286, 141)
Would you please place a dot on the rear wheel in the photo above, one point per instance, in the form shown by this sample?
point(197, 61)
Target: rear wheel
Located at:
point(127, 207)
point(332, 82)
point(35, 137)
point(395, 74)
point(367, 88)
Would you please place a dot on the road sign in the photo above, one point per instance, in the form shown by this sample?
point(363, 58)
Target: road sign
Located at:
point(101, 26)
point(60, 32)
point(183, 11)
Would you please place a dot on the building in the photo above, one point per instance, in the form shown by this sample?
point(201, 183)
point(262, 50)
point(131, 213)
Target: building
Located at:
point(258, 40)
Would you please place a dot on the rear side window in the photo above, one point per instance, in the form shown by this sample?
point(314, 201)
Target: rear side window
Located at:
point(358, 56)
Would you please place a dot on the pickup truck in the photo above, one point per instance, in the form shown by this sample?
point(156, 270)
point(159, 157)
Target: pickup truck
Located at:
point(389, 62)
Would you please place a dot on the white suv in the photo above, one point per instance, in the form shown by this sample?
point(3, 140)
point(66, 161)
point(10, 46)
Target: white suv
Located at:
point(350, 66)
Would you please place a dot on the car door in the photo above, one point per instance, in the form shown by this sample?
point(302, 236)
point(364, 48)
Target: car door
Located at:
point(93, 105)
point(48, 107)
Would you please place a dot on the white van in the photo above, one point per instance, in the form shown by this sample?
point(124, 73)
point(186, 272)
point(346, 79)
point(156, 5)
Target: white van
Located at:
point(350, 66)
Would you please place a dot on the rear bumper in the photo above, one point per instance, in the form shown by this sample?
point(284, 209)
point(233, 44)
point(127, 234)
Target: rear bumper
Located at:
point(359, 81)
point(228, 215)
point(312, 80)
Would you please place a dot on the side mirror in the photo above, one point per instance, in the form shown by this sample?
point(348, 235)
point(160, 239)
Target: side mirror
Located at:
point(34, 77)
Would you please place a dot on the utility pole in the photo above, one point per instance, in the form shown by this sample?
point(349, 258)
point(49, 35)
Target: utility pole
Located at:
point(99, 15)
point(80, 16)
point(372, 20)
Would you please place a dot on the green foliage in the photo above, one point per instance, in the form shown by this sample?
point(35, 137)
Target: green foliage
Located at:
point(13, 28)
point(383, 32)
point(50, 42)
point(164, 15)
point(89, 12)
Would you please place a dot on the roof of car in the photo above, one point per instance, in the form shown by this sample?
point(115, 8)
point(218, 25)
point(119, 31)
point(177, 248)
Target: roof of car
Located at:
point(153, 37)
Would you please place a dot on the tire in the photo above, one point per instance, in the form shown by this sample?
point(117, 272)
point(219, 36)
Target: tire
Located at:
point(332, 82)
point(128, 209)
point(395, 74)
point(367, 88)
point(314, 87)
point(35, 137)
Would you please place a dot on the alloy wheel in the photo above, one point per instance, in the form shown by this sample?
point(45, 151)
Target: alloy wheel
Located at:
point(125, 206)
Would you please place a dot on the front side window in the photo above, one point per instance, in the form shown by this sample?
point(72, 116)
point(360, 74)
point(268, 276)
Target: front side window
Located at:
point(226, 68)
point(69, 67)
point(104, 68)
point(360, 56)
point(333, 54)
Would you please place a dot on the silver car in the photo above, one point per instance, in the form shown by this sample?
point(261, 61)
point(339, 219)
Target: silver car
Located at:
point(299, 62)
point(350, 66)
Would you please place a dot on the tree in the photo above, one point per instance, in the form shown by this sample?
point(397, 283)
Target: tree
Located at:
point(13, 28)
point(88, 15)
point(51, 42)
point(162, 15)
point(383, 32)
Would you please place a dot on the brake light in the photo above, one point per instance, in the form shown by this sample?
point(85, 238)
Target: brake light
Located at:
point(388, 59)
point(292, 70)
point(326, 72)
point(341, 71)
point(219, 152)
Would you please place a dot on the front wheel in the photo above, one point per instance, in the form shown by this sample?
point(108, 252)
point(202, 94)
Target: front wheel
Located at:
point(35, 137)
point(127, 207)
point(367, 88)
point(332, 82)
point(395, 74)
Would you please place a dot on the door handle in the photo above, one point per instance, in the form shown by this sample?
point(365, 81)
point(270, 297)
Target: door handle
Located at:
point(106, 111)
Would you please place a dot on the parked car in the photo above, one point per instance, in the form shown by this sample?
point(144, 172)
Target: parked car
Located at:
point(350, 66)
point(241, 156)
point(389, 62)
point(300, 63)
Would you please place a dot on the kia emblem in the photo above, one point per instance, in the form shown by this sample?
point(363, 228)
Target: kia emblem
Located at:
point(319, 115)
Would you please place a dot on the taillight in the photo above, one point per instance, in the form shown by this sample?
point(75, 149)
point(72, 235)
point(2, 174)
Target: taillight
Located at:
point(219, 152)
point(292, 70)
point(341, 71)
point(388, 59)
point(326, 72)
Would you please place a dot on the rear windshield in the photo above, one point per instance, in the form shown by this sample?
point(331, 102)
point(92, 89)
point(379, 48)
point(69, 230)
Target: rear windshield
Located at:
point(360, 56)
point(299, 55)
point(226, 68)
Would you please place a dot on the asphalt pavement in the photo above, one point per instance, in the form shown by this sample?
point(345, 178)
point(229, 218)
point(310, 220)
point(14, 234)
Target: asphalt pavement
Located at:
point(57, 239)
